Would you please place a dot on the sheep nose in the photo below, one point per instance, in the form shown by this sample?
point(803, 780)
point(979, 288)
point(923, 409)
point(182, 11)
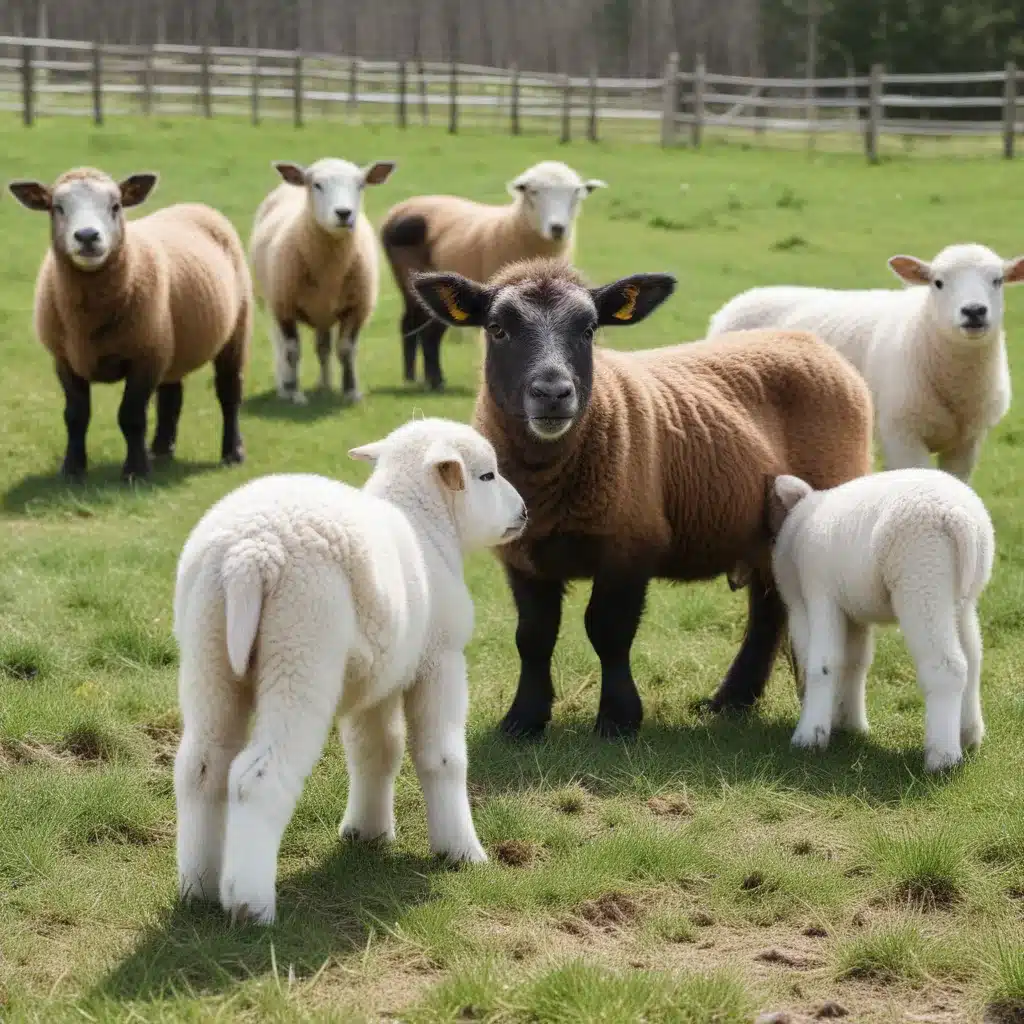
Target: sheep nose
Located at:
point(974, 311)
point(343, 213)
point(557, 390)
point(87, 236)
point(557, 231)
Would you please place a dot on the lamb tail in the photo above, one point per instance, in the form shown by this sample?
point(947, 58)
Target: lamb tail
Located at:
point(968, 543)
point(243, 602)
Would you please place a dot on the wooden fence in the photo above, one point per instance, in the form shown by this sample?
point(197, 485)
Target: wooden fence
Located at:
point(47, 77)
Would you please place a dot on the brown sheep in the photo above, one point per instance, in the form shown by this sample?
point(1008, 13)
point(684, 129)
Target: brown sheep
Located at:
point(642, 465)
point(146, 302)
point(476, 240)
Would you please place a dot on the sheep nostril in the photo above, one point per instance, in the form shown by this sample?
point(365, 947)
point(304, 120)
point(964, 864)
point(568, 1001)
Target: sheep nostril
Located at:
point(343, 214)
point(87, 236)
point(557, 231)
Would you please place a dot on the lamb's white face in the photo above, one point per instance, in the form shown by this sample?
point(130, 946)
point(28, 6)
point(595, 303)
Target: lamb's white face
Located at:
point(965, 283)
point(335, 189)
point(86, 213)
point(459, 462)
point(551, 194)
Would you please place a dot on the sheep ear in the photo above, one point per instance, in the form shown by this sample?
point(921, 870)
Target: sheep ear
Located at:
point(367, 452)
point(910, 269)
point(294, 174)
point(790, 489)
point(449, 465)
point(1013, 270)
point(378, 173)
point(593, 183)
point(517, 186)
point(135, 189)
point(631, 299)
point(451, 298)
point(33, 195)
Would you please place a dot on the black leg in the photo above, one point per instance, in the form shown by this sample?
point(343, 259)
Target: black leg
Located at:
point(347, 358)
point(323, 353)
point(131, 418)
point(288, 362)
point(227, 383)
point(168, 411)
point(612, 619)
point(539, 604)
point(748, 675)
point(430, 339)
point(413, 320)
point(77, 410)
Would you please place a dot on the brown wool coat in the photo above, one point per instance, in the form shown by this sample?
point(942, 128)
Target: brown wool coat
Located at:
point(667, 472)
point(305, 274)
point(469, 238)
point(175, 293)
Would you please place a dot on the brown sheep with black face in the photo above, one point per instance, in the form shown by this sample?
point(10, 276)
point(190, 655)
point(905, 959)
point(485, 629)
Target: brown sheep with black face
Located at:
point(642, 465)
point(146, 301)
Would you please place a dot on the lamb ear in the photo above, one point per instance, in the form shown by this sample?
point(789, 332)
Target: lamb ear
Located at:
point(449, 465)
point(910, 269)
point(379, 172)
point(631, 299)
point(294, 174)
point(135, 189)
point(1013, 270)
point(452, 298)
point(517, 186)
point(367, 452)
point(33, 195)
point(593, 183)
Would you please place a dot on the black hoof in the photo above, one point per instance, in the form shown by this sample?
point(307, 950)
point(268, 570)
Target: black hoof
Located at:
point(134, 470)
point(233, 458)
point(517, 725)
point(161, 454)
point(719, 705)
point(611, 728)
point(73, 473)
point(436, 385)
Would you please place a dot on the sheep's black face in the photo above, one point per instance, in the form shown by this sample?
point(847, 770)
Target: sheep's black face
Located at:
point(539, 362)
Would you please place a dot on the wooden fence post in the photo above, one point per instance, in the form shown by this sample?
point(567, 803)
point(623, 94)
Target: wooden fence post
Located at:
point(592, 113)
point(697, 125)
point(1010, 109)
point(403, 119)
point(353, 88)
point(28, 92)
point(297, 89)
point(513, 99)
point(566, 108)
point(147, 80)
point(453, 99)
point(424, 106)
point(875, 111)
point(204, 81)
point(669, 99)
point(255, 85)
point(97, 83)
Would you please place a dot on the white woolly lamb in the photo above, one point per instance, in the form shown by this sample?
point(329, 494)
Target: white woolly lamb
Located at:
point(934, 355)
point(300, 599)
point(914, 546)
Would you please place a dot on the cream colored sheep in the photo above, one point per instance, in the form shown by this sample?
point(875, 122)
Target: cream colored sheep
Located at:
point(476, 240)
point(315, 260)
point(146, 301)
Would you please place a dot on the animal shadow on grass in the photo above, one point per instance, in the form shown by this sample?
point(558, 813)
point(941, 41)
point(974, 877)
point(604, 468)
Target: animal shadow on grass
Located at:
point(48, 491)
point(268, 405)
point(704, 756)
point(324, 912)
point(419, 390)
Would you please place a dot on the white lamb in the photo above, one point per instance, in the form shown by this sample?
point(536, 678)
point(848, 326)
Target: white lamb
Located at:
point(914, 546)
point(934, 356)
point(301, 599)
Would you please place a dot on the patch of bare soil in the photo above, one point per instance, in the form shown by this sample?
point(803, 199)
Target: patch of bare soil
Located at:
point(28, 751)
point(1004, 1013)
point(668, 804)
point(515, 852)
point(612, 910)
point(788, 958)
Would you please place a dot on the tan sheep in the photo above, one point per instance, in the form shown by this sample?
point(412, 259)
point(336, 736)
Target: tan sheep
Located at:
point(146, 301)
point(476, 240)
point(315, 261)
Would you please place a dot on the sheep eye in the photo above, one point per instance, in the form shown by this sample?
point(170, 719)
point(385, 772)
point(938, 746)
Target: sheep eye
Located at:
point(116, 208)
point(998, 282)
point(938, 284)
point(318, 186)
point(57, 208)
point(497, 333)
point(588, 334)
point(487, 476)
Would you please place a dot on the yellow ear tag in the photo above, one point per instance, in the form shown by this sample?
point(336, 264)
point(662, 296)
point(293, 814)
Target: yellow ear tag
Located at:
point(626, 313)
point(447, 294)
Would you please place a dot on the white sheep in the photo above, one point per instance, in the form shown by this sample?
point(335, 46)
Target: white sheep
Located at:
point(299, 599)
point(449, 233)
point(911, 545)
point(934, 355)
point(315, 262)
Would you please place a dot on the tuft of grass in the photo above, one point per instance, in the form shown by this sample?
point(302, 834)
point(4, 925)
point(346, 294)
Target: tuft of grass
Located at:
point(789, 243)
point(930, 869)
point(885, 955)
point(23, 660)
point(134, 644)
point(789, 200)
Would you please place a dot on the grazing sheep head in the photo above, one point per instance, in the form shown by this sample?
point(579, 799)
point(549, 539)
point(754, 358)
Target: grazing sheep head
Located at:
point(966, 286)
point(86, 209)
point(335, 188)
point(550, 193)
point(456, 461)
point(539, 319)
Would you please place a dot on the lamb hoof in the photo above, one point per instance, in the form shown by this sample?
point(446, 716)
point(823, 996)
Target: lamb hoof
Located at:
point(936, 761)
point(719, 705)
point(815, 738)
point(610, 728)
point(521, 726)
point(352, 396)
point(354, 834)
point(468, 852)
point(242, 908)
point(971, 737)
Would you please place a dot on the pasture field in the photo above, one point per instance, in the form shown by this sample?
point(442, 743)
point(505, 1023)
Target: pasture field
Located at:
point(702, 873)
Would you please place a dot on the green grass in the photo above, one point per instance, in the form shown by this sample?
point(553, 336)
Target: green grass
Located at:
point(701, 873)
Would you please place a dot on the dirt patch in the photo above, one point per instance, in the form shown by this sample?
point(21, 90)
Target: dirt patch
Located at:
point(815, 931)
point(28, 751)
point(702, 919)
point(612, 910)
point(831, 1010)
point(671, 804)
point(785, 958)
point(515, 852)
point(756, 882)
point(1005, 1013)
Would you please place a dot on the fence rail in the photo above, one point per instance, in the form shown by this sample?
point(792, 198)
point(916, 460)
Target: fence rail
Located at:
point(50, 77)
